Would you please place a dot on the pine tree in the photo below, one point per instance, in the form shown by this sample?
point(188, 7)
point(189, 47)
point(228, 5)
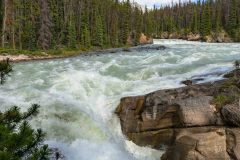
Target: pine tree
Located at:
point(85, 26)
point(1, 13)
point(218, 24)
point(72, 42)
point(30, 37)
point(17, 139)
point(125, 23)
point(195, 21)
point(5, 69)
point(232, 23)
point(206, 20)
point(86, 38)
point(114, 24)
point(99, 28)
point(137, 25)
point(59, 25)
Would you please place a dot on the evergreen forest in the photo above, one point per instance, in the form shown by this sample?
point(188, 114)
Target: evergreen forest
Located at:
point(84, 24)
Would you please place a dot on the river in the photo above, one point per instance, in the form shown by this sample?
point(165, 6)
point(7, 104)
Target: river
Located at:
point(79, 95)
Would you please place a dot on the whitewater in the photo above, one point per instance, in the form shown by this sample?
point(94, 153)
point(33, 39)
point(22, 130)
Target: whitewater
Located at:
point(78, 95)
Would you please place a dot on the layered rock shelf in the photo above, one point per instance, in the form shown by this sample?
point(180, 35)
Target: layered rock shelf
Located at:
point(220, 37)
point(196, 122)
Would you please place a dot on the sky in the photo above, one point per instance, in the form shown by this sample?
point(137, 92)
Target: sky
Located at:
point(151, 3)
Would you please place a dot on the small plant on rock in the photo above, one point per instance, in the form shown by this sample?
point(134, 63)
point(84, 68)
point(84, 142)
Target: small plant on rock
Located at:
point(221, 100)
point(237, 64)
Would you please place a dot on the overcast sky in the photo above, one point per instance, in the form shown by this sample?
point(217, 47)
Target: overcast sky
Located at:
point(151, 3)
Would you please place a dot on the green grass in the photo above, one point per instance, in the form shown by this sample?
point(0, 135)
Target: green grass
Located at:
point(221, 100)
point(59, 52)
point(228, 93)
point(52, 52)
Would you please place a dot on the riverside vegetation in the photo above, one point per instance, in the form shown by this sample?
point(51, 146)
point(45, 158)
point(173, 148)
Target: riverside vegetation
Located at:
point(17, 138)
point(67, 27)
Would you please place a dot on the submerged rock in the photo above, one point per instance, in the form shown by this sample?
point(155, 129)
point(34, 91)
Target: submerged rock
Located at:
point(184, 120)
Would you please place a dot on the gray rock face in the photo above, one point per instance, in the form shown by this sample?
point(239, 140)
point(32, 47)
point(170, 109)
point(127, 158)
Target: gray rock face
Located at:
point(233, 143)
point(197, 111)
point(231, 114)
point(184, 120)
point(198, 143)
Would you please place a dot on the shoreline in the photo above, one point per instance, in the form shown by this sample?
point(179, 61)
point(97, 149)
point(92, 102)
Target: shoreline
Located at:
point(26, 58)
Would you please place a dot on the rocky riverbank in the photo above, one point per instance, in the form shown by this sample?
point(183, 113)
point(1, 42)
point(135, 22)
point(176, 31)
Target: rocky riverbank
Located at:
point(197, 122)
point(146, 47)
point(220, 37)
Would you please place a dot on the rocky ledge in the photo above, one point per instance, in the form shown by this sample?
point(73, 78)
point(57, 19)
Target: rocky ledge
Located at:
point(196, 122)
point(220, 37)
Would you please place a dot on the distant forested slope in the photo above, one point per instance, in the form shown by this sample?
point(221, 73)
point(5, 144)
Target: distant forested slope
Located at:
point(203, 17)
point(50, 24)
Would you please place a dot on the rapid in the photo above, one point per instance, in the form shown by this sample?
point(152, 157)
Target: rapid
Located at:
point(78, 95)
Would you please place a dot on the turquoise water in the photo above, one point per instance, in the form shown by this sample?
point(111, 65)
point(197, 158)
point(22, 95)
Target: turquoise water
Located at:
point(79, 95)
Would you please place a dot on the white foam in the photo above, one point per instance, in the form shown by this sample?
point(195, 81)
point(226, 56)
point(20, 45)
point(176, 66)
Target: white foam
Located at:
point(79, 95)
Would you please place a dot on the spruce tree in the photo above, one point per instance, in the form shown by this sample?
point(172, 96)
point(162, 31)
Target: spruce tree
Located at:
point(137, 25)
point(99, 28)
point(232, 23)
point(206, 20)
point(218, 23)
point(17, 139)
point(114, 24)
point(195, 21)
point(72, 42)
point(1, 14)
point(5, 69)
point(30, 37)
point(86, 37)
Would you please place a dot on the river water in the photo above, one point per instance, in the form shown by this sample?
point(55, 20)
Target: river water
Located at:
point(79, 95)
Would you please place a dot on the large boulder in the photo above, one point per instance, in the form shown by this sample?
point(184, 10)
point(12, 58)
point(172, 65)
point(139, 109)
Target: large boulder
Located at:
point(198, 144)
point(187, 121)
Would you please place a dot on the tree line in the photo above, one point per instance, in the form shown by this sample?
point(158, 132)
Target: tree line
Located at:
point(83, 24)
point(45, 24)
point(202, 17)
